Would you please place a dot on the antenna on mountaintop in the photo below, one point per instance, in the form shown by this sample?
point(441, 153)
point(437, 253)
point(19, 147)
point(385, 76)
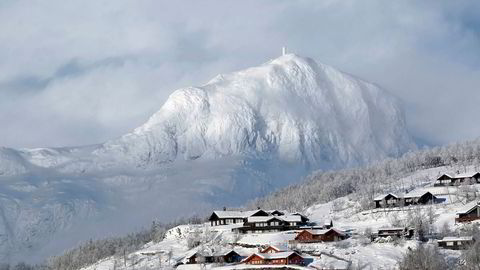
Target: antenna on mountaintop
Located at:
point(284, 50)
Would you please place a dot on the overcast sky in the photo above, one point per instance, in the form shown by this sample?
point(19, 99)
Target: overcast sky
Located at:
point(81, 72)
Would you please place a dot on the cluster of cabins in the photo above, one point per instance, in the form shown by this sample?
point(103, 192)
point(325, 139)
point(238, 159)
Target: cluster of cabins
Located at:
point(262, 221)
point(259, 221)
point(419, 197)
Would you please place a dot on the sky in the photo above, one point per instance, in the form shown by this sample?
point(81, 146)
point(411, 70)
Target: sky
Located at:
point(82, 72)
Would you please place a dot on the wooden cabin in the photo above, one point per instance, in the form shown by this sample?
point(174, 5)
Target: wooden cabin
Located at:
point(278, 258)
point(419, 197)
point(386, 200)
point(452, 180)
point(316, 236)
point(456, 243)
point(268, 224)
point(233, 217)
point(470, 212)
point(226, 256)
point(400, 232)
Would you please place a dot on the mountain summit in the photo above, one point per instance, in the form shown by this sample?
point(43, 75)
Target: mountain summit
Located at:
point(290, 108)
point(240, 135)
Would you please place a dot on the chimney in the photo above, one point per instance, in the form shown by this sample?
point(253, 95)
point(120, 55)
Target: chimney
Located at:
point(224, 208)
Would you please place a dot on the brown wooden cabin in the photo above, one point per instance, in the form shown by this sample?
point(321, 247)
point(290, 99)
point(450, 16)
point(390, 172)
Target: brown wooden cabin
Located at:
point(456, 243)
point(400, 232)
point(315, 236)
point(278, 258)
point(233, 217)
point(230, 256)
point(386, 200)
point(470, 212)
point(452, 180)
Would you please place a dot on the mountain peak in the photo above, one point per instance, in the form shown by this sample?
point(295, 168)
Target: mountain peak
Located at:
point(289, 108)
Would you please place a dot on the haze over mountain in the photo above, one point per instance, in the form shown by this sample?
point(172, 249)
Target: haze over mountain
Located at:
point(241, 135)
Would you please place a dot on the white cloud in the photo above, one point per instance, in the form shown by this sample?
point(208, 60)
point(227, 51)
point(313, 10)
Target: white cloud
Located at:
point(77, 72)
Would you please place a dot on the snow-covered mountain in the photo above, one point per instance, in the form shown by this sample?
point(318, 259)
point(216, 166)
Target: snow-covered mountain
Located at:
point(238, 136)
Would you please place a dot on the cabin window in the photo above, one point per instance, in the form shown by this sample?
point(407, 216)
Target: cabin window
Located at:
point(449, 244)
point(459, 243)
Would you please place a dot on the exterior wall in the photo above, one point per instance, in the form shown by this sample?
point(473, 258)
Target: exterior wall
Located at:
point(255, 260)
point(304, 237)
point(455, 245)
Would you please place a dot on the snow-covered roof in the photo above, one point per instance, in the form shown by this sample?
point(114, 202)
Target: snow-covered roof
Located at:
point(321, 232)
point(382, 196)
point(467, 207)
point(456, 238)
point(262, 219)
point(278, 248)
point(460, 175)
point(416, 193)
point(277, 255)
point(289, 218)
point(235, 214)
point(466, 175)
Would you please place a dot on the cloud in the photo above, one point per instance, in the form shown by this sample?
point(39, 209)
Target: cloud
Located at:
point(79, 72)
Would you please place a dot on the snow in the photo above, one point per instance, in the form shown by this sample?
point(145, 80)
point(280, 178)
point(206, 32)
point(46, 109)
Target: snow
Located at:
point(237, 137)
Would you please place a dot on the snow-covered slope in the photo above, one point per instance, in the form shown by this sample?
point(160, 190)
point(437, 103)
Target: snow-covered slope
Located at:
point(239, 136)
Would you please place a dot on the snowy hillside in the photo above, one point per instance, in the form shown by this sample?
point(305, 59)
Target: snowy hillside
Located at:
point(357, 252)
point(239, 136)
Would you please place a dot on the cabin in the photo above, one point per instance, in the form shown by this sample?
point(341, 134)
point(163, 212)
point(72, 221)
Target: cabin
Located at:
point(316, 236)
point(225, 256)
point(452, 180)
point(233, 217)
point(273, 249)
point(400, 232)
point(470, 212)
point(456, 243)
point(419, 197)
point(269, 224)
point(386, 200)
point(278, 258)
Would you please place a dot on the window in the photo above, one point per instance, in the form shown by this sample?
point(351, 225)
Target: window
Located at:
point(459, 243)
point(449, 244)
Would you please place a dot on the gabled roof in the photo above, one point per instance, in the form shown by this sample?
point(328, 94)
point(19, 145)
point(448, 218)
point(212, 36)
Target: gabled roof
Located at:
point(262, 219)
point(272, 256)
point(468, 207)
point(277, 248)
point(322, 232)
point(236, 214)
point(459, 176)
point(289, 218)
point(416, 193)
point(382, 196)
